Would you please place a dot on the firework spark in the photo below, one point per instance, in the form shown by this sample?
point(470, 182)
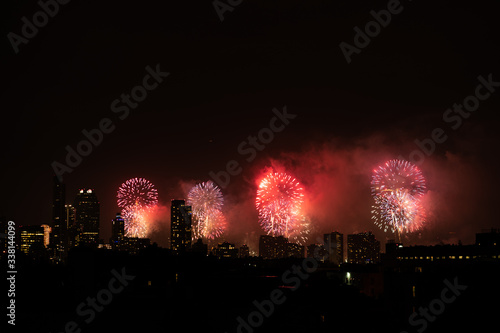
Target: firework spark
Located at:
point(397, 188)
point(397, 174)
point(137, 192)
point(279, 201)
point(135, 222)
point(208, 220)
point(137, 197)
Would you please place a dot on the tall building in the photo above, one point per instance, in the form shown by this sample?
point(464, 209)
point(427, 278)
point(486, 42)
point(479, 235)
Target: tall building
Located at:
point(33, 239)
point(117, 231)
point(59, 236)
point(362, 248)
point(272, 247)
point(244, 251)
point(334, 247)
point(87, 213)
point(180, 226)
point(73, 234)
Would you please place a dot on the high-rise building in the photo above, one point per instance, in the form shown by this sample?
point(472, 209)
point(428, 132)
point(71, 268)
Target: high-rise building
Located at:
point(180, 226)
point(34, 238)
point(72, 229)
point(271, 247)
point(363, 248)
point(117, 231)
point(59, 236)
point(244, 251)
point(87, 213)
point(334, 247)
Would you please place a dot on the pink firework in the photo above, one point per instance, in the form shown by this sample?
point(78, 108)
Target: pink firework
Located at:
point(208, 220)
point(135, 222)
point(279, 201)
point(398, 175)
point(137, 192)
point(397, 189)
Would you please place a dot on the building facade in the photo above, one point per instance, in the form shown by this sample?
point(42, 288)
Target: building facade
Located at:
point(87, 216)
point(363, 248)
point(180, 226)
point(334, 247)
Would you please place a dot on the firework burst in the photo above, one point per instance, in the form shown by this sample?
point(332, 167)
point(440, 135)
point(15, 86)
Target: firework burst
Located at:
point(135, 222)
point(397, 188)
point(279, 201)
point(137, 192)
point(137, 197)
point(208, 220)
point(398, 175)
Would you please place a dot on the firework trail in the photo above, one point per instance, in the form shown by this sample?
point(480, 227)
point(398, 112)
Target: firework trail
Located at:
point(206, 201)
point(397, 189)
point(137, 197)
point(279, 201)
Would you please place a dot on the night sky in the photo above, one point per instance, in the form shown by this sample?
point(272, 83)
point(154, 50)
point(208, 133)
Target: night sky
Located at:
point(225, 80)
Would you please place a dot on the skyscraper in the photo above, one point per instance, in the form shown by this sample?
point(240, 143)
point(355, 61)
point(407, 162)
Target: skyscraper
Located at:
point(58, 237)
point(117, 231)
point(87, 212)
point(334, 246)
point(180, 226)
point(72, 229)
point(363, 248)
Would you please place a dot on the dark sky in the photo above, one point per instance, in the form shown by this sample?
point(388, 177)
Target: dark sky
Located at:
point(226, 78)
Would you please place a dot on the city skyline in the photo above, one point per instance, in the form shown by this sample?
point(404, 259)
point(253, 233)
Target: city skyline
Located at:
point(250, 166)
